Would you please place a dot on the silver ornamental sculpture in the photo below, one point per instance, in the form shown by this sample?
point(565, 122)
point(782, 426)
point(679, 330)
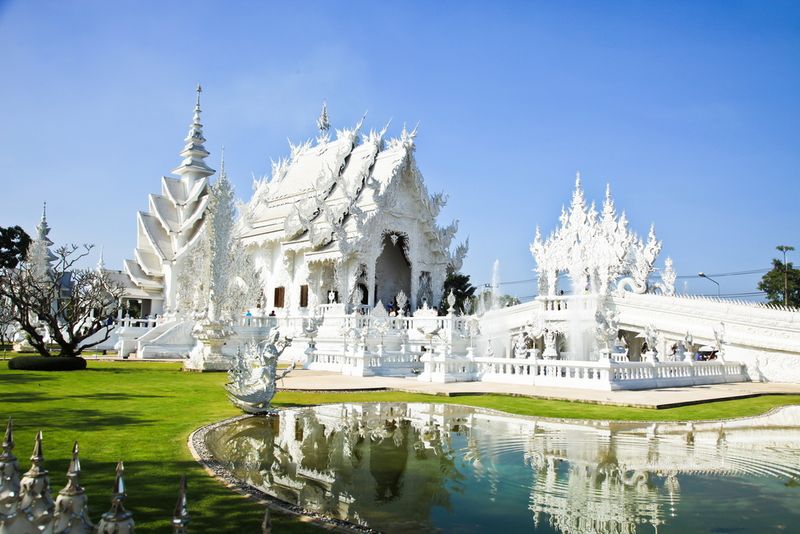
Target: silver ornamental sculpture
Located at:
point(254, 374)
point(26, 505)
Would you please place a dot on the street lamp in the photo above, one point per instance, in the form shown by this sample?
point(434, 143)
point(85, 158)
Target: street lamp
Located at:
point(785, 249)
point(703, 275)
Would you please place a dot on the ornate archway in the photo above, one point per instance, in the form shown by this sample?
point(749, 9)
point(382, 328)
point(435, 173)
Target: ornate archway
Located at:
point(392, 268)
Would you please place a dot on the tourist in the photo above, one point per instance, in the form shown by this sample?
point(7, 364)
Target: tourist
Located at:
point(272, 313)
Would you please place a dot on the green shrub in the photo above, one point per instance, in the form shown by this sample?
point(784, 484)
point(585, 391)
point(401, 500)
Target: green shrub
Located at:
point(47, 363)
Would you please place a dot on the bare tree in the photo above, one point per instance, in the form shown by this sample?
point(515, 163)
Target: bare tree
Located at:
point(7, 320)
point(53, 301)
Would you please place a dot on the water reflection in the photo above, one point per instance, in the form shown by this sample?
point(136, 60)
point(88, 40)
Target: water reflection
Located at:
point(414, 467)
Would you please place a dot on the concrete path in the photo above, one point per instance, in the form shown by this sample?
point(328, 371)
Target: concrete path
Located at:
point(304, 380)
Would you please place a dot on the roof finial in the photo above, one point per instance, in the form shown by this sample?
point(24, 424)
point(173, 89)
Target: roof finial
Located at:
point(194, 153)
point(44, 211)
point(323, 122)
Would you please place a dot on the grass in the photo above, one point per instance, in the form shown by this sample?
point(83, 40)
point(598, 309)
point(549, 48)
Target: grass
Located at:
point(143, 413)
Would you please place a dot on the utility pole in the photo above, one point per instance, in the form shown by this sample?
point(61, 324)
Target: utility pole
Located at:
point(785, 249)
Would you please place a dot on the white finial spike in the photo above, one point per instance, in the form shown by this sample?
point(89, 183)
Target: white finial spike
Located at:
point(578, 180)
point(44, 211)
point(323, 122)
point(608, 191)
point(222, 160)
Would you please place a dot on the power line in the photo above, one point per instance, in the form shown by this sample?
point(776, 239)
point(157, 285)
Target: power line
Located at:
point(734, 273)
point(682, 277)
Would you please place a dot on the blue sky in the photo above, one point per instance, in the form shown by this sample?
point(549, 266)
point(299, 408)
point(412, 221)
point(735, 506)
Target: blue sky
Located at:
point(689, 109)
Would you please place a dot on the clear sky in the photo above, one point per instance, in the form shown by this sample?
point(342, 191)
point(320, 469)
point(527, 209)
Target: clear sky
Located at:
point(689, 109)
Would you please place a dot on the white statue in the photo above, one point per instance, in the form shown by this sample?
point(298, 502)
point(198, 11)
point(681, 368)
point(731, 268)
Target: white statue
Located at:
point(686, 347)
point(719, 340)
point(550, 338)
point(651, 337)
point(606, 327)
point(402, 300)
point(521, 346)
point(254, 374)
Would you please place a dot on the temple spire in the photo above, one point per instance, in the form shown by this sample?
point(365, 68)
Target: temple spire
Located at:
point(194, 152)
point(323, 122)
point(43, 229)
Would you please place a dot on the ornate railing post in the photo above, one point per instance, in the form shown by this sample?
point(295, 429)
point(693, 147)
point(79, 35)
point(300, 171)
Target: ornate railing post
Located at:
point(35, 499)
point(72, 510)
point(117, 520)
point(11, 518)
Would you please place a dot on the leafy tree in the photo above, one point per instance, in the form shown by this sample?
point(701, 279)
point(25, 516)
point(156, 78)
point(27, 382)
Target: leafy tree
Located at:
point(462, 289)
point(14, 243)
point(56, 302)
point(773, 283)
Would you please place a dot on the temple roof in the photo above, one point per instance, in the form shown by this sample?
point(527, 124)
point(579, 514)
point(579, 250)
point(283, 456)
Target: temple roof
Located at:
point(174, 220)
point(311, 194)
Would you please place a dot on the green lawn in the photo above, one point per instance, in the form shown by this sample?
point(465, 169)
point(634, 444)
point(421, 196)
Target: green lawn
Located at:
point(143, 413)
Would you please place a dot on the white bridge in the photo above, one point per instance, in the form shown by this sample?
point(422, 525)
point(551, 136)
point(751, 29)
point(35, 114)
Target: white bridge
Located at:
point(508, 345)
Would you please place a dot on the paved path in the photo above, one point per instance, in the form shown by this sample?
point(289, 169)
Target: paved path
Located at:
point(305, 380)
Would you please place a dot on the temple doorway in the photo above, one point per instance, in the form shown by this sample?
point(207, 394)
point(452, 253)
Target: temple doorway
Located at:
point(392, 269)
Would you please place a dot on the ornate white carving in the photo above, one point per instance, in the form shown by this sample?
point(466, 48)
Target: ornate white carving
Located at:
point(594, 249)
point(550, 340)
point(253, 375)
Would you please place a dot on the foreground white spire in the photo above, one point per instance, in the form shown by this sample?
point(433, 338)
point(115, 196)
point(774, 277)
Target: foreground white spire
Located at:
point(173, 222)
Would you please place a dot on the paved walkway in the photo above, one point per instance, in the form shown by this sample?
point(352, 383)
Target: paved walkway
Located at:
point(304, 380)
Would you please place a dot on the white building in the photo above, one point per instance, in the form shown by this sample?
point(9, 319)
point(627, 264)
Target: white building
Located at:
point(348, 220)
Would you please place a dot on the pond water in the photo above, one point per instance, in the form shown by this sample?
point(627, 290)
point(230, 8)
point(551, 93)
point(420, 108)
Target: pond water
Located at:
point(399, 467)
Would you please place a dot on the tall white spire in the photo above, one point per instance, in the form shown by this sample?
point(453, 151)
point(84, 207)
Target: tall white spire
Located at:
point(194, 152)
point(173, 222)
point(43, 229)
point(39, 254)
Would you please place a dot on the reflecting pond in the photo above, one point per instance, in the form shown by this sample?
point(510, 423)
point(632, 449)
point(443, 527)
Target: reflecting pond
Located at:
point(399, 467)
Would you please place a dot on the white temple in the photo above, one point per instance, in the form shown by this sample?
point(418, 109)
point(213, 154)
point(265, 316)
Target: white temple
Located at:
point(345, 228)
point(348, 220)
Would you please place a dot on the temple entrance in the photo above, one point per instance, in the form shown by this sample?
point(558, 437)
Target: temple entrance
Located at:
point(392, 269)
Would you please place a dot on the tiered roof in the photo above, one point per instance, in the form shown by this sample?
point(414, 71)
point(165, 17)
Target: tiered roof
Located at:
point(312, 195)
point(174, 220)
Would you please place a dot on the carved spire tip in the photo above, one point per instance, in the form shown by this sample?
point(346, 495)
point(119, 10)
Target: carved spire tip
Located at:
point(8, 438)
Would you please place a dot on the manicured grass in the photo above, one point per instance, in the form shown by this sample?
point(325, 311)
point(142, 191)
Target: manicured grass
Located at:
point(143, 413)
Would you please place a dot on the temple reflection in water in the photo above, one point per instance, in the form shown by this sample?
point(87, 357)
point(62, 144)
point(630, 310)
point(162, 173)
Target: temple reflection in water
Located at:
point(411, 467)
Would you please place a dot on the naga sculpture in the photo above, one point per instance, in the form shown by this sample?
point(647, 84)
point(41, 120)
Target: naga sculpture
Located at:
point(254, 374)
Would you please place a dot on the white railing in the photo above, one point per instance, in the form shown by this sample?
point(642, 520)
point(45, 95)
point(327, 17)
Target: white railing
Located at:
point(127, 322)
point(269, 321)
point(641, 375)
point(606, 375)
